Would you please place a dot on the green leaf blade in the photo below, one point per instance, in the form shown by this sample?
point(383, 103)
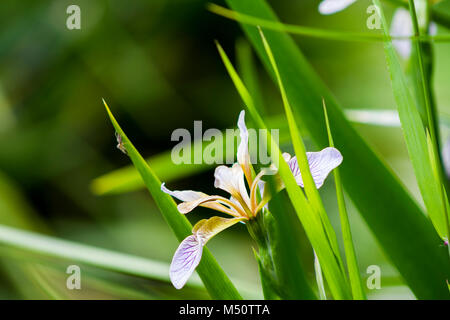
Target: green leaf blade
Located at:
point(415, 138)
point(352, 263)
point(213, 277)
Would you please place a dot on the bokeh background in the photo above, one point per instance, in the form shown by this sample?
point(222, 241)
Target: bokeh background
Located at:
point(156, 65)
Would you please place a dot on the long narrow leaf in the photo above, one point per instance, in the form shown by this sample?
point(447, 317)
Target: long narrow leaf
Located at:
point(352, 263)
point(311, 32)
point(415, 137)
point(52, 247)
point(215, 280)
point(300, 151)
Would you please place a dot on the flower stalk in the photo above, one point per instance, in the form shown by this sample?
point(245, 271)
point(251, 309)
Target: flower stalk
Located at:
point(248, 206)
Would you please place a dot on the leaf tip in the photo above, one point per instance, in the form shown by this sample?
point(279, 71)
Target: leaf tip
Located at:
point(107, 108)
point(263, 37)
point(212, 7)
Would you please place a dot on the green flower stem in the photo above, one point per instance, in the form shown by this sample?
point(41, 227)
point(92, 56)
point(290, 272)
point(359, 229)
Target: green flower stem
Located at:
point(281, 274)
point(267, 272)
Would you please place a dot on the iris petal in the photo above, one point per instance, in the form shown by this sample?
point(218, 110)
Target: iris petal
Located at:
point(243, 156)
point(185, 260)
point(232, 181)
point(207, 228)
point(192, 199)
point(401, 26)
point(185, 195)
point(253, 197)
point(332, 6)
point(206, 201)
point(189, 252)
point(320, 164)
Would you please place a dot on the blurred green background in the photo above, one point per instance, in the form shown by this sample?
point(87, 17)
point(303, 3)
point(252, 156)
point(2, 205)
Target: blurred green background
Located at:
point(156, 65)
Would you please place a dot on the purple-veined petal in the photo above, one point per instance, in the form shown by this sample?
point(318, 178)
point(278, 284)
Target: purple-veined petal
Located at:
point(401, 26)
point(185, 260)
point(320, 164)
point(189, 252)
point(286, 156)
point(332, 6)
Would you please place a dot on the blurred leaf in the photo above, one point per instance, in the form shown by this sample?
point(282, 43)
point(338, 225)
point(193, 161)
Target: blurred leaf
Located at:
point(382, 118)
point(319, 278)
point(308, 31)
point(102, 258)
point(247, 68)
point(416, 141)
point(52, 247)
point(440, 12)
point(128, 179)
point(15, 211)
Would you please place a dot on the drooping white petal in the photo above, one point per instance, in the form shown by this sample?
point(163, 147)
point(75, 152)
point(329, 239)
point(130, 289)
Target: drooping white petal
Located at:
point(320, 164)
point(332, 6)
point(401, 26)
point(192, 199)
point(185, 195)
point(231, 180)
point(185, 260)
point(213, 202)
